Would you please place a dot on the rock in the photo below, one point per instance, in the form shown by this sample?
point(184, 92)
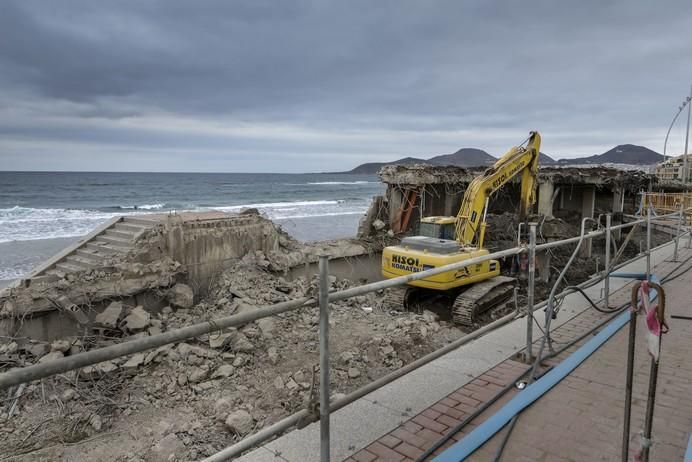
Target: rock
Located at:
point(62, 346)
point(37, 349)
point(185, 349)
point(267, 327)
point(135, 361)
point(239, 422)
point(98, 370)
point(299, 376)
point(353, 373)
point(68, 395)
point(12, 348)
point(346, 357)
point(167, 449)
point(378, 225)
point(225, 370)
point(167, 310)
point(332, 280)
point(138, 319)
point(96, 422)
point(238, 361)
point(181, 296)
point(219, 339)
point(273, 355)
point(52, 356)
point(279, 383)
point(241, 343)
point(110, 317)
point(291, 384)
point(429, 316)
point(197, 374)
point(222, 407)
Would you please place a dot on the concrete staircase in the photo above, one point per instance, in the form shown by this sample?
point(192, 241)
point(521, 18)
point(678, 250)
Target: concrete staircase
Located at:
point(115, 237)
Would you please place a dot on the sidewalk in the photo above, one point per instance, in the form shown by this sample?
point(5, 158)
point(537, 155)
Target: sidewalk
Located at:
point(413, 411)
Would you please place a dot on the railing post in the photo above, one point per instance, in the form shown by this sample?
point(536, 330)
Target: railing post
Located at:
point(648, 243)
point(530, 293)
point(324, 358)
point(677, 234)
point(606, 281)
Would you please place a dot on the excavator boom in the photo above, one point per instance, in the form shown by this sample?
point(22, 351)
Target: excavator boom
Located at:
point(470, 219)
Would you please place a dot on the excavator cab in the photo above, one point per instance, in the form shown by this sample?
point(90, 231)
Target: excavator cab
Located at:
point(438, 228)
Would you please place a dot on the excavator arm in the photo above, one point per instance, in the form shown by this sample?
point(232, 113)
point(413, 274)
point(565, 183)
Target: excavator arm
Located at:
point(470, 221)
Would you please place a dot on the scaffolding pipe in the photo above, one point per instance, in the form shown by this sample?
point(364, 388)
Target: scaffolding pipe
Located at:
point(324, 358)
point(606, 281)
point(528, 356)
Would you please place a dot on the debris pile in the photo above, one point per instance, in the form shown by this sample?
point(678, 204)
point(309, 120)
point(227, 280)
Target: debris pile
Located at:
point(188, 400)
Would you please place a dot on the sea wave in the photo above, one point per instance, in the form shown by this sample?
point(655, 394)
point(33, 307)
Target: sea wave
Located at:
point(142, 207)
point(26, 223)
point(342, 182)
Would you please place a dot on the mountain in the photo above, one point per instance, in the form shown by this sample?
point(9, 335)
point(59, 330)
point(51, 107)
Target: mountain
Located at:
point(630, 154)
point(464, 157)
point(545, 159)
point(374, 167)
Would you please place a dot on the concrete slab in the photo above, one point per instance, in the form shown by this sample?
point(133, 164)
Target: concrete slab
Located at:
point(351, 427)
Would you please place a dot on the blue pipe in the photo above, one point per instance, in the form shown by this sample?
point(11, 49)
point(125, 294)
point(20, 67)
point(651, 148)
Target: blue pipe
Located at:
point(486, 430)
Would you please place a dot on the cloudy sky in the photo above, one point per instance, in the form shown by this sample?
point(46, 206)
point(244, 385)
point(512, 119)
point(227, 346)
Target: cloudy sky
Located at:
point(321, 86)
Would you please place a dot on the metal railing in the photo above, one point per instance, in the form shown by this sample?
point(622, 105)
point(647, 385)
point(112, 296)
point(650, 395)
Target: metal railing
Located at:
point(74, 362)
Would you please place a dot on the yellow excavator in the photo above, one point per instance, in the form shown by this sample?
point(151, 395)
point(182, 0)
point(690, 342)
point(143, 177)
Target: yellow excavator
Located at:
point(445, 240)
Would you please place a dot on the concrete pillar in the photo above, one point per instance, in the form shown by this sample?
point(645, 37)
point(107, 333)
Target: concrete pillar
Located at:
point(588, 203)
point(618, 205)
point(545, 196)
point(396, 198)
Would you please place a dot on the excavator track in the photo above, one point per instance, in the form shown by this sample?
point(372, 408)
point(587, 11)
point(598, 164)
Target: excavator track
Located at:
point(479, 298)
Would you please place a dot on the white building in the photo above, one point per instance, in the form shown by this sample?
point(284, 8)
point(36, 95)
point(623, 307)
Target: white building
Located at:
point(672, 169)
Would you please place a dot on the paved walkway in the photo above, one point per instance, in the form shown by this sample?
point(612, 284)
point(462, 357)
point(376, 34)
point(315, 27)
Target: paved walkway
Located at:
point(415, 410)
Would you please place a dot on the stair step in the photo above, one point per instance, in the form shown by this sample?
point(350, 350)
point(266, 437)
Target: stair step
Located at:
point(140, 221)
point(70, 267)
point(126, 235)
point(80, 261)
point(113, 241)
point(93, 255)
point(105, 248)
point(131, 227)
point(56, 272)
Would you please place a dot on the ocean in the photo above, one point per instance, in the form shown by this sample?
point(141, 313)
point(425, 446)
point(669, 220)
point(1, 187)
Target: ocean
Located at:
point(41, 212)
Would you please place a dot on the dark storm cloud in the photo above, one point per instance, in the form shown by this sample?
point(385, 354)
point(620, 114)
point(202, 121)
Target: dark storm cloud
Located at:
point(224, 81)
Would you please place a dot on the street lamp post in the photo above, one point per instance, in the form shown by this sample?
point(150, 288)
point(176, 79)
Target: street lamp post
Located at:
point(687, 138)
point(685, 103)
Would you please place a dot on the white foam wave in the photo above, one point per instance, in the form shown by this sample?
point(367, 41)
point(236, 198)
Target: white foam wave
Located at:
point(143, 207)
point(24, 223)
point(342, 182)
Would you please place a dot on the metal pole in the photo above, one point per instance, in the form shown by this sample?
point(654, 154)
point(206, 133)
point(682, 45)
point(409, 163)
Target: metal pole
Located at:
point(606, 281)
point(324, 358)
point(685, 178)
point(648, 242)
point(677, 234)
point(531, 286)
point(628, 380)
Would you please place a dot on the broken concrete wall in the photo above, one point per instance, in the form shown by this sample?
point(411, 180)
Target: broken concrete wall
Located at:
point(206, 247)
point(424, 190)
